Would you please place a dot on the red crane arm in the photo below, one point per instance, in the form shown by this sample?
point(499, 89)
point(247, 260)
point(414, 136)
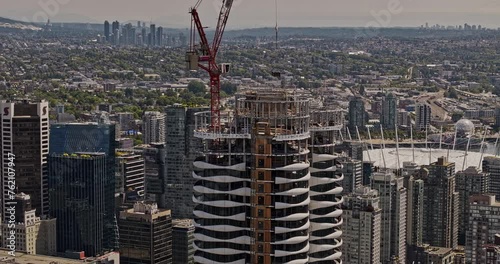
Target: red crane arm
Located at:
point(221, 25)
point(203, 37)
point(208, 57)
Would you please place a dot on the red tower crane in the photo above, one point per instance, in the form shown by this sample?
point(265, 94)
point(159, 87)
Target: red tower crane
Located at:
point(204, 56)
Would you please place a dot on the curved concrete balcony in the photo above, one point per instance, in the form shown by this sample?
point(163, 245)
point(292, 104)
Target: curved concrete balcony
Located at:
point(237, 217)
point(207, 166)
point(202, 260)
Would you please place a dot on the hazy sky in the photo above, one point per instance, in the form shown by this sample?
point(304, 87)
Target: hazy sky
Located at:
point(258, 13)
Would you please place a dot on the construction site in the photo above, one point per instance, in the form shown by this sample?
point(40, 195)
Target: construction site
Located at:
point(260, 190)
point(267, 187)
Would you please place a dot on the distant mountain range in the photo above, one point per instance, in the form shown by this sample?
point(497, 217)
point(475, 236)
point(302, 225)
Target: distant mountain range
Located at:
point(4, 20)
point(261, 32)
point(10, 24)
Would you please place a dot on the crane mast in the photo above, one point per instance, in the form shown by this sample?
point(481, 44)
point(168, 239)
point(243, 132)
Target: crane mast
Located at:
point(204, 56)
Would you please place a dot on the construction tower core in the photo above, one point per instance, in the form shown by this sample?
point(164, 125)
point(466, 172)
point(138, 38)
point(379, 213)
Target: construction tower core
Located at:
point(257, 198)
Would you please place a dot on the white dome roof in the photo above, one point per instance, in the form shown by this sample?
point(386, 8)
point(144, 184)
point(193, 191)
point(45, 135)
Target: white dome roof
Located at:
point(465, 126)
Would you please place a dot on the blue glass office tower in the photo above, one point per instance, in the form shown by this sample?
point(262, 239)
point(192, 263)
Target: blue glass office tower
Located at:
point(77, 184)
point(92, 137)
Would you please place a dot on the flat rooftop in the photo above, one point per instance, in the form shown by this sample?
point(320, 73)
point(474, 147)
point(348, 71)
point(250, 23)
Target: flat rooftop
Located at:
point(22, 258)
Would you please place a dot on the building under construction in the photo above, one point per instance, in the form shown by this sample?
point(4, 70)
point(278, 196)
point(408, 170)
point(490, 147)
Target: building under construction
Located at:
point(267, 189)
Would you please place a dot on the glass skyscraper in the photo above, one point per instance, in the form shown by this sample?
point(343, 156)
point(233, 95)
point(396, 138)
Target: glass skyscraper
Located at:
point(77, 184)
point(181, 150)
point(92, 137)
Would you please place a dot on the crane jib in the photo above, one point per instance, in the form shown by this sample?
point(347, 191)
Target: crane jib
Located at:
point(208, 54)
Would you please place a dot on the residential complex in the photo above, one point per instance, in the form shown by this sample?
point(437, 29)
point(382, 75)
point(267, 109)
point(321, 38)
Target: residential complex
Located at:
point(469, 182)
point(362, 227)
point(484, 226)
point(182, 147)
point(423, 117)
point(153, 127)
point(393, 198)
point(441, 219)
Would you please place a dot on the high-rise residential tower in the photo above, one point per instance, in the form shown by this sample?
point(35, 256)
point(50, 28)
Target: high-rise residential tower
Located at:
point(115, 30)
point(440, 219)
point(389, 112)
point(352, 170)
point(256, 199)
point(106, 30)
point(469, 182)
point(159, 36)
point(357, 114)
point(362, 227)
point(325, 189)
point(491, 165)
point(152, 35)
point(415, 210)
point(153, 124)
point(181, 150)
point(155, 169)
point(25, 137)
point(423, 116)
point(393, 196)
point(484, 225)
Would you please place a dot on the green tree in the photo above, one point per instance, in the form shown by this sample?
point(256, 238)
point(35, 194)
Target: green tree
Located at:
point(229, 88)
point(451, 93)
point(129, 92)
point(196, 87)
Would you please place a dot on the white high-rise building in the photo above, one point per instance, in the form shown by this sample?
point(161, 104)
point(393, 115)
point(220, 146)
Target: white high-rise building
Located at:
point(153, 127)
point(362, 216)
point(325, 190)
point(393, 197)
